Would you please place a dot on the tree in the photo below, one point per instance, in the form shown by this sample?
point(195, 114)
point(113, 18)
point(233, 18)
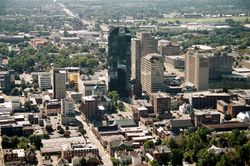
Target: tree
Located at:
point(23, 144)
point(158, 141)
point(46, 136)
point(114, 96)
point(83, 161)
point(228, 117)
point(154, 163)
point(35, 86)
point(176, 157)
point(36, 141)
point(224, 161)
point(61, 131)
point(189, 157)
point(23, 84)
point(206, 158)
point(115, 161)
point(49, 128)
point(237, 138)
point(6, 142)
point(121, 106)
point(15, 92)
point(244, 152)
point(66, 134)
point(59, 127)
point(148, 144)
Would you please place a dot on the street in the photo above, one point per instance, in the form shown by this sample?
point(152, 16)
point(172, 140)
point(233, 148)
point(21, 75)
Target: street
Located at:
point(1, 153)
point(105, 157)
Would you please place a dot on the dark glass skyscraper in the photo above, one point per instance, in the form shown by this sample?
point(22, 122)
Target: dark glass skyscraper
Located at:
point(119, 57)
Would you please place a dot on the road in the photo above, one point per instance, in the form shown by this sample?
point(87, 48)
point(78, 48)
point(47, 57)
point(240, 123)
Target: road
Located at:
point(67, 11)
point(1, 153)
point(104, 155)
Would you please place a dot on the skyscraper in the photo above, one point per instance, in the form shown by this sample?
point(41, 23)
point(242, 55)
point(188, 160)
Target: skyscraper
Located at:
point(59, 83)
point(152, 73)
point(148, 43)
point(119, 57)
point(143, 44)
point(197, 69)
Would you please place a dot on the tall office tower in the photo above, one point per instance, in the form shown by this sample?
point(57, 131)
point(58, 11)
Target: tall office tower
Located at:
point(5, 81)
point(142, 45)
point(135, 59)
point(168, 49)
point(197, 69)
point(59, 83)
point(44, 80)
point(219, 64)
point(67, 111)
point(152, 73)
point(148, 43)
point(119, 56)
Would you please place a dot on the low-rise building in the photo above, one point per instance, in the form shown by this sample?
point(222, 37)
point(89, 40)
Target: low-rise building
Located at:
point(203, 117)
point(68, 151)
point(12, 155)
point(89, 106)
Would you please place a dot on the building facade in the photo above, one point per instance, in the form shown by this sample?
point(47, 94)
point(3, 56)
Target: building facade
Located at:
point(89, 106)
point(67, 111)
point(169, 49)
point(59, 84)
point(197, 70)
point(152, 73)
point(44, 80)
point(119, 57)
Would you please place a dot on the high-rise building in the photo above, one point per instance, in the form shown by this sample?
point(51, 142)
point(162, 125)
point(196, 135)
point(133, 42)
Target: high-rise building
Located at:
point(5, 81)
point(219, 64)
point(89, 106)
point(135, 59)
point(168, 49)
point(202, 66)
point(44, 80)
point(143, 44)
point(119, 56)
point(197, 70)
point(148, 43)
point(67, 111)
point(152, 73)
point(59, 83)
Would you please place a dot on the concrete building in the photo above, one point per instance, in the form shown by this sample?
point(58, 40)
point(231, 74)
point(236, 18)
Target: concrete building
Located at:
point(219, 64)
point(136, 59)
point(148, 43)
point(59, 84)
point(169, 49)
point(246, 64)
point(67, 111)
point(202, 100)
point(69, 151)
point(161, 102)
point(197, 70)
point(119, 57)
point(203, 117)
point(143, 44)
point(175, 61)
point(152, 73)
point(44, 80)
point(5, 81)
point(89, 106)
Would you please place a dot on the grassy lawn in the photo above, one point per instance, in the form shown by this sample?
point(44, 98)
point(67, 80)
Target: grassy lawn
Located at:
point(202, 20)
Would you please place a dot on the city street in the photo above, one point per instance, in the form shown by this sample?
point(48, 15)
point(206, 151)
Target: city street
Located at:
point(1, 153)
point(103, 154)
